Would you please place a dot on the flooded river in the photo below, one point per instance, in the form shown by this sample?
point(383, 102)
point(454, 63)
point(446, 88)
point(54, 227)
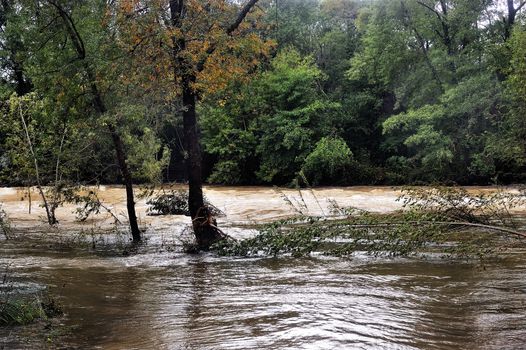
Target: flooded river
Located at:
point(160, 298)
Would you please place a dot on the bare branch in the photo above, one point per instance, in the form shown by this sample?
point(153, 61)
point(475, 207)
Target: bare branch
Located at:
point(241, 16)
point(431, 9)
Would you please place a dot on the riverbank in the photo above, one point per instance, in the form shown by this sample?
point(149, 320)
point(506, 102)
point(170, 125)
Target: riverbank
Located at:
point(244, 205)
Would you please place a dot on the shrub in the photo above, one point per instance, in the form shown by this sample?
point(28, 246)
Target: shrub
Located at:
point(5, 227)
point(329, 162)
point(174, 202)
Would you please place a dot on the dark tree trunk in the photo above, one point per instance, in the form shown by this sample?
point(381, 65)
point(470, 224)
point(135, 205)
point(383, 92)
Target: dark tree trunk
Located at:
point(121, 159)
point(128, 183)
point(512, 16)
point(100, 108)
point(204, 226)
point(193, 149)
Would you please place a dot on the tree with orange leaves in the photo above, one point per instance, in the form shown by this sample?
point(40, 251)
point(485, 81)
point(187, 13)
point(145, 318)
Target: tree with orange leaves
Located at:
point(193, 48)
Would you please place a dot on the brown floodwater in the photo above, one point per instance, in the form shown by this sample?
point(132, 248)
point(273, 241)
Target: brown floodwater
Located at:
point(160, 298)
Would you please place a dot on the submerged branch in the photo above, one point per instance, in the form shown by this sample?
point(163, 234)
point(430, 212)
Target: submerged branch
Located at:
point(429, 221)
point(346, 223)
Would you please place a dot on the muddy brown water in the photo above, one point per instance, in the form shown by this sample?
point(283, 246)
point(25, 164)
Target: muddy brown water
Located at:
point(160, 298)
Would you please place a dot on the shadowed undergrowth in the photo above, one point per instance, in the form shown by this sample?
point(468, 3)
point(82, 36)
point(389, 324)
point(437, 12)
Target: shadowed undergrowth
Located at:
point(23, 309)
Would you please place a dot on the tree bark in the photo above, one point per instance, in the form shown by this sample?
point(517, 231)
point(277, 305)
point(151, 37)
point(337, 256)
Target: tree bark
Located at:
point(512, 14)
point(204, 226)
point(193, 148)
point(100, 108)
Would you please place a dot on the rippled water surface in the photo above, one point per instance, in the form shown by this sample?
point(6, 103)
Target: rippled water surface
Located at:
point(163, 299)
point(172, 301)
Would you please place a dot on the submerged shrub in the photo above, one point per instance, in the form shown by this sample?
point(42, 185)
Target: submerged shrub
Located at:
point(21, 311)
point(24, 309)
point(174, 202)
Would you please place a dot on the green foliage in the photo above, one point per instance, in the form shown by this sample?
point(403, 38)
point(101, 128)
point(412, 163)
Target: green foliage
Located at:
point(5, 226)
point(329, 162)
point(452, 136)
point(516, 121)
point(384, 50)
point(147, 157)
point(417, 90)
point(20, 312)
point(23, 309)
point(174, 202)
point(276, 120)
point(229, 132)
point(443, 220)
point(29, 115)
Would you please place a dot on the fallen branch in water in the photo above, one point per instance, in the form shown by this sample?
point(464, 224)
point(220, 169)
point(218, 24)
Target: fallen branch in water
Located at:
point(488, 227)
point(428, 220)
point(420, 222)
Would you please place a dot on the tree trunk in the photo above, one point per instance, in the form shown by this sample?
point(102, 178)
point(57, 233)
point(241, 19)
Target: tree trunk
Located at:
point(121, 158)
point(512, 16)
point(50, 211)
point(193, 149)
point(126, 177)
point(204, 226)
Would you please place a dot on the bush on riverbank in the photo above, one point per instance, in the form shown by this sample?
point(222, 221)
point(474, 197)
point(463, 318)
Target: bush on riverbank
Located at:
point(17, 309)
point(5, 227)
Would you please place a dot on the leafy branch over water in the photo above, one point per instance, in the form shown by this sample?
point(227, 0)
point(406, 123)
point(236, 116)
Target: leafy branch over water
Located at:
point(447, 220)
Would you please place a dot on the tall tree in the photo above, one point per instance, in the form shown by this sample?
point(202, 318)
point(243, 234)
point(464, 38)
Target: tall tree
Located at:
point(187, 70)
point(61, 15)
point(183, 51)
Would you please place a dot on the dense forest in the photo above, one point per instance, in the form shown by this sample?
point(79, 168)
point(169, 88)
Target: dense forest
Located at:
point(306, 92)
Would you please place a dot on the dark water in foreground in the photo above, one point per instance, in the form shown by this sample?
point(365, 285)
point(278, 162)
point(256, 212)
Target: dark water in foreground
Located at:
point(168, 300)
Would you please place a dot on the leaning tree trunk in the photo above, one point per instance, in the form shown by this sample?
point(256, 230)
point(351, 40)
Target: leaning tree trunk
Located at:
point(100, 107)
point(128, 183)
point(122, 161)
